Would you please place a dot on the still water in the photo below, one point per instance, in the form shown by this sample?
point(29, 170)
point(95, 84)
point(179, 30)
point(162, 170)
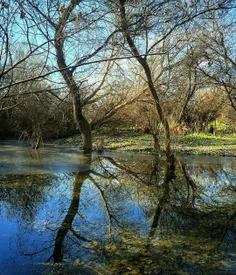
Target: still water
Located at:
point(62, 212)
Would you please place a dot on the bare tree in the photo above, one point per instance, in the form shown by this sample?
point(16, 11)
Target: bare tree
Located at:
point(72, 39)
point(154, 21)
point(70, 26)
point(218, 62)
point(19, 46)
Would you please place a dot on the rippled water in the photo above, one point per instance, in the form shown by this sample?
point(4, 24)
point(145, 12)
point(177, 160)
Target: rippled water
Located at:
point(65, 213)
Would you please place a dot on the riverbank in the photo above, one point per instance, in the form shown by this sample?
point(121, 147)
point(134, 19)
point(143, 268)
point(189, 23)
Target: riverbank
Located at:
point(129, 141)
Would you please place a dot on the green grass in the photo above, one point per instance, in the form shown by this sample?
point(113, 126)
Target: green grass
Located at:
point(195, 140)
point(122, 143)
point(145, 137)
point(146, 147)
point(205, 144)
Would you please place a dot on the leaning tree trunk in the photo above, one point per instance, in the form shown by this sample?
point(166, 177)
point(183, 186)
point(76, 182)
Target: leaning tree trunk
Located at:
point(143, 62)
point(81, 121)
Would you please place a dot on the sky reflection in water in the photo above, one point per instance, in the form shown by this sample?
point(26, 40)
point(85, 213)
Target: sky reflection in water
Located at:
point(120, 216)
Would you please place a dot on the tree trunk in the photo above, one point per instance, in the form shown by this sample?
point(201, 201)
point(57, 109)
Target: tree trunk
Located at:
point(81, 121)
point(83, 125)
point(156, 142)
point(143, 62)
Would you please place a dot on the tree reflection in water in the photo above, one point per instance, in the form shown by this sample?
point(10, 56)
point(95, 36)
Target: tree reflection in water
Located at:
point(129, 217)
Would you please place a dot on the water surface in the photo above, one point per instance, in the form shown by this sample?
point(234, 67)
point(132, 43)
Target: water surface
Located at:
point(65, 213)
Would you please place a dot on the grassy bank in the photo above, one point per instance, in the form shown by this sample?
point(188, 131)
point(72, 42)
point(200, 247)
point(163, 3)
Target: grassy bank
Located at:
point(197, 144)
point(202, 144)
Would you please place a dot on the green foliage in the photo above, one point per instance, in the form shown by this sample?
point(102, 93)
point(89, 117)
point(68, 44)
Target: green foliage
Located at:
point(222, 128)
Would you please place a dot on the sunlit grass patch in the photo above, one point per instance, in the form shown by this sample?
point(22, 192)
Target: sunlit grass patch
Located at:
point(197, 144)
point(146, 137)
point(195, 140)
